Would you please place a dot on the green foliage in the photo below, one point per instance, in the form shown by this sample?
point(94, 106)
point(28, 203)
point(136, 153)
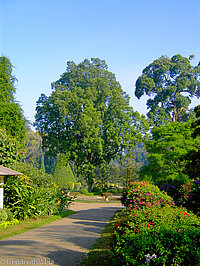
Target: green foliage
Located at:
point(102, 175)
point(25, 200)
point(63, 174)
point(84, 191)
point(35, 155)
point(34, 151)
point(167, 147)
point(157, 235)
point(71, 186)
point(152, 230)
point(189, 196)
point(196, 124)
point(88, 118)
point(164, 81)
point(192, 158)
point(10, 148)
point(140, 194)
point(3, 215)
point(19, 196)
point(11, 114)
point(6, 223)
point(11, 119)
point(78, 185)
point(129, 171)
point(38, 177)
point(6, 80)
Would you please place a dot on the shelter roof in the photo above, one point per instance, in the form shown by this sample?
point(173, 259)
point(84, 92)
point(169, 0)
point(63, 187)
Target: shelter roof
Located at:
point(6, 171)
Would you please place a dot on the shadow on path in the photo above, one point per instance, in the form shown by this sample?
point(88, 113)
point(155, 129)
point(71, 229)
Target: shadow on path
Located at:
point(65, 241)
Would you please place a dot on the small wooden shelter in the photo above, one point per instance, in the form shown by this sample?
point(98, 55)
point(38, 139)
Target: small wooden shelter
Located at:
point(5, 172)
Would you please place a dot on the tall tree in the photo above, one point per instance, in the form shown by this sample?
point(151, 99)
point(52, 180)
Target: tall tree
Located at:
point(11, 114)
point(6, 80)
point(165, 81)
point(87, 117)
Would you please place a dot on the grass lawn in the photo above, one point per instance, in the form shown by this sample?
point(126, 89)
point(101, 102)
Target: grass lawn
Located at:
point(29, 224)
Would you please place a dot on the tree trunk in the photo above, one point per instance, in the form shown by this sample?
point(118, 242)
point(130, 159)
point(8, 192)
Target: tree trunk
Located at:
point(174, 114)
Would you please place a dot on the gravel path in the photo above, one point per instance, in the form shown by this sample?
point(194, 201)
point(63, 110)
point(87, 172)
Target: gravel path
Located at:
point(63, 242)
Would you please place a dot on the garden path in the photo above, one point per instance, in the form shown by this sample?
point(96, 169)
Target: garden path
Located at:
point(63, 242)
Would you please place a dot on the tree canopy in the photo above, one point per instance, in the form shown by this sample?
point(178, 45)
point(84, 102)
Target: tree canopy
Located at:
point(6, 80)
point(193, 157)
point(87, 116)
point(169, 144)
point(11, 114)
point(10, 149)
point(170, 83)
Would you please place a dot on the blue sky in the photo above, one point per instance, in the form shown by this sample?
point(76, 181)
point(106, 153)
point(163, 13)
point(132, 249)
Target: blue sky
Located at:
point(40, 36)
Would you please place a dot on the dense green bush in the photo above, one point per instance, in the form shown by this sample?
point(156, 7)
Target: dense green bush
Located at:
point(25, 200)
point(190, 196)
point(187, 194)
point(96, 190)
point(84, 191)
point(157, 235)
point(139, 194)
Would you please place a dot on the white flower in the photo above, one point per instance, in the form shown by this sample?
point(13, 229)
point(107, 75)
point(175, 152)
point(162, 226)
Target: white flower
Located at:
point(149, 257)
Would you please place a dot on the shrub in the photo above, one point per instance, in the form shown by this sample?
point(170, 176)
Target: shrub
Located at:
point(84, 191)
point(3, 215)
point(172, 190)
point(140, 194)
point(63, 174)
point(78, 185)
point(5, 224)
point(112, 190)
point(71, 185)
point(190, 196)
point(26, 200)
point(158, 235)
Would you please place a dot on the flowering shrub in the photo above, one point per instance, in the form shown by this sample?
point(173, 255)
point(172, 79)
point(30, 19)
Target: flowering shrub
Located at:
point(158, 235)
point(190, 195)
point(172, 190)
point(140, 194)
point(187, 194)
